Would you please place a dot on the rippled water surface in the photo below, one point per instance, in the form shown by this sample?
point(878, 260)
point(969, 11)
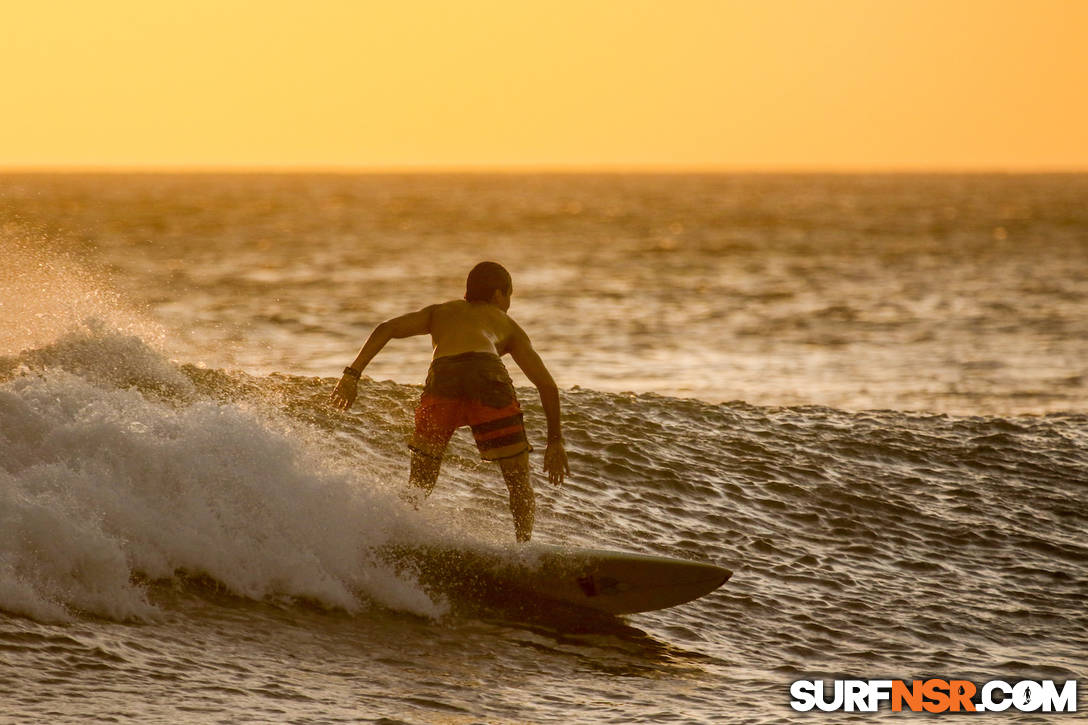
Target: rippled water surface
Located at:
point(864, 395)
point(960, 294)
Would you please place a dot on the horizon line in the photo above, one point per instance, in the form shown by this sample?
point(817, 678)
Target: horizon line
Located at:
point(498, 169)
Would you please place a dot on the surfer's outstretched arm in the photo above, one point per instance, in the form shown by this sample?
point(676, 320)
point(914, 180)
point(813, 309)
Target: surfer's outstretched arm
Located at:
point(414, 323)
point(555, 456)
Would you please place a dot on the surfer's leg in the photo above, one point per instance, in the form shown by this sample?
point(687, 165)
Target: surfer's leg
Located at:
point(436, 419)
point(422, 478)
point(515, 471)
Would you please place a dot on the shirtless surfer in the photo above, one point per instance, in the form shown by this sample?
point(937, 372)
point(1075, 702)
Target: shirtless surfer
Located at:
point(468, 384)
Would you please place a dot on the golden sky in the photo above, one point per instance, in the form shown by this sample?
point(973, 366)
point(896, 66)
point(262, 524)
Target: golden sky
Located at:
point(732, 84)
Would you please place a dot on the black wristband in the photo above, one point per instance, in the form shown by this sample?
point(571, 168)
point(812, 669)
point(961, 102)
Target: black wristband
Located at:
point(349, 370)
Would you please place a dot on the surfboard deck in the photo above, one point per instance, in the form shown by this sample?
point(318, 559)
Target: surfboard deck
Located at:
point(611, 582)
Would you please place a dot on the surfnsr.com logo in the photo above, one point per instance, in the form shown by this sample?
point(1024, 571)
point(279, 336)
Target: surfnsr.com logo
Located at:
point(934, 696)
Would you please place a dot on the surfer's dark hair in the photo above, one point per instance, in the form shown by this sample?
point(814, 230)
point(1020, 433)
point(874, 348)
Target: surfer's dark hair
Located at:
point(484, 279)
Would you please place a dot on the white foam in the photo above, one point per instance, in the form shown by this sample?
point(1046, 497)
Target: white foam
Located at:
point(102, 355)
point(100, 481)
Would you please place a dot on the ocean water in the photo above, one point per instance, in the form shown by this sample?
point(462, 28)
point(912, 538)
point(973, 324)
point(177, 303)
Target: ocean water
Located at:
point(865, 395)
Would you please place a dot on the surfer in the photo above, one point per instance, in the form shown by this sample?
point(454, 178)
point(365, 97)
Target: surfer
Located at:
point(467, 384)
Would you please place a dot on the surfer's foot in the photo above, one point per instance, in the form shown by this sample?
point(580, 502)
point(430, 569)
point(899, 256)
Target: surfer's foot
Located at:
point(413, 496)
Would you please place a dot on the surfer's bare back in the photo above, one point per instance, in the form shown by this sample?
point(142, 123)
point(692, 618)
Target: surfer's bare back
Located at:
point(468, 384)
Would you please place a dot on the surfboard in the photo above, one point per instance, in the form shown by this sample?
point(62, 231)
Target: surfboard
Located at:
point(611, 582)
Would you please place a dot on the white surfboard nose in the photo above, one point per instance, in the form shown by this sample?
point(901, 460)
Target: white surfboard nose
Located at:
point(614, 582)
point(622, 583)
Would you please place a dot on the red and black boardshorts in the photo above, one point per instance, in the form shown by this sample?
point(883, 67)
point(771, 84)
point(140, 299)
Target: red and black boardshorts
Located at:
point(472, 389)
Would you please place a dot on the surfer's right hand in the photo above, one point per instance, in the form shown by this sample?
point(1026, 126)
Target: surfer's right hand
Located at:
point(555, 462)
point(344, 394)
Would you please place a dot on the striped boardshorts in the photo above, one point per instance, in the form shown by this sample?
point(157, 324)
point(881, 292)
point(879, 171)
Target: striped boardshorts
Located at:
point(472, 389)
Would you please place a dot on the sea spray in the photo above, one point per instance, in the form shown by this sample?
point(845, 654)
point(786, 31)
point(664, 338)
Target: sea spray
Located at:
point(47, 292)
point(112, 476)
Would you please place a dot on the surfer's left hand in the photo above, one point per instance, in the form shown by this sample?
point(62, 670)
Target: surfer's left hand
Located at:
point(555, 463)
point(344, 394)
